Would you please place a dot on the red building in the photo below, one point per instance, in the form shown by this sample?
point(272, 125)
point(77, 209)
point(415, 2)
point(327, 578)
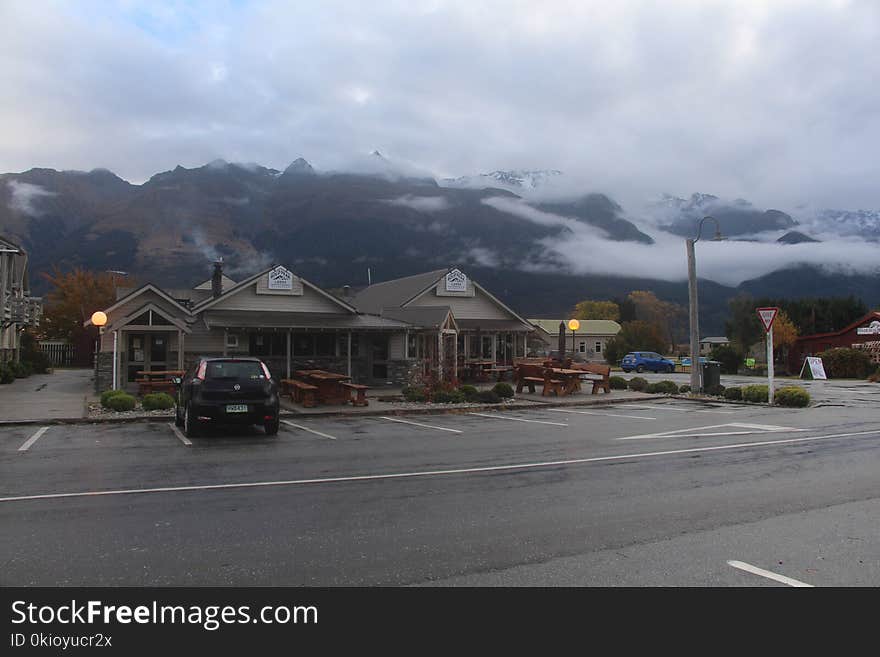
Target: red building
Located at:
point(863, 334)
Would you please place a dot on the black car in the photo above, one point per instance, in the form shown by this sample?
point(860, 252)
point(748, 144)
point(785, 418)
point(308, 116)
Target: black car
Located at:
point(219, 391)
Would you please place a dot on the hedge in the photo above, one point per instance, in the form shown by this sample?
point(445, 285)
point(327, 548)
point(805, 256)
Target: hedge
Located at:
point(107, 394)
point(684, 389)
point(716, 390)
point(156, 401)
point(638, 383)
point(6, 374)
point(791, 396)
point(843, 363)
point(756, 393)
point(617, 383)
point(121, 402)
point(663, 388)
point(414, 394)
point(488, 397)
point(448, 397)
point(503, 390)
point(734, 393)
point(469, 392)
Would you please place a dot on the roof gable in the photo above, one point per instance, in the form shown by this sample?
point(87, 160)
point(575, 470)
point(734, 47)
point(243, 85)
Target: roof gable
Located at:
point(149, 287)
point(395, 293)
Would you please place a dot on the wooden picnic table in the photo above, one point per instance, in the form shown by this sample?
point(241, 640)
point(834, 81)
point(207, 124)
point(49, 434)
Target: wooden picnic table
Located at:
point(478, 368)
point(330, 390)
point(157, 381)
point(571, 379)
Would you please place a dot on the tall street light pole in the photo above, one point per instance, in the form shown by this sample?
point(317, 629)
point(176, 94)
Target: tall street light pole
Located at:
point(696, 385)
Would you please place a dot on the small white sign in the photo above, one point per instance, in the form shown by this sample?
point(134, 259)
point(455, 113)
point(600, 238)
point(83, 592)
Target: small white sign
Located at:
point(871, 329)
point(280, 279)
point(817, 367)
point(456, 281)
point(767, 315)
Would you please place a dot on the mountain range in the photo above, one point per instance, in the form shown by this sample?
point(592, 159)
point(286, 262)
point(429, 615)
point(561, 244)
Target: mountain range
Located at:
point(334, 226)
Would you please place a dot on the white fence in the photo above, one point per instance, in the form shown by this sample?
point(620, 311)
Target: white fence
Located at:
point(59, 352)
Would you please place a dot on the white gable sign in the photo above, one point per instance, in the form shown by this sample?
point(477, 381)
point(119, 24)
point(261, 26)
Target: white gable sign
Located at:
point(872, 329)
point(280, 279)
point(456, 281)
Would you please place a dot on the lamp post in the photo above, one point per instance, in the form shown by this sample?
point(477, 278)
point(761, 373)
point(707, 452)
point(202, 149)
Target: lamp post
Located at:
point(696, 375)
point(574, 325)
point(99, 319)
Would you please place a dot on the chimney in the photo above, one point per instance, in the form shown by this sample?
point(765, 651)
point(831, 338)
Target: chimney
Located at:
point(346, 291)
point(217, 278)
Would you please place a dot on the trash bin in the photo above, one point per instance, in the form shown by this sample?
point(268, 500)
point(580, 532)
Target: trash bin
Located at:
point(711, 374)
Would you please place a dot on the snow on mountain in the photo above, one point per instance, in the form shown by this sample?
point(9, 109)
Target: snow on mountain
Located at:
point(516, 180)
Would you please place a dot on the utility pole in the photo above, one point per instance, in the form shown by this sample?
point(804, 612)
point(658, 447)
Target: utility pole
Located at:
point(694, 318)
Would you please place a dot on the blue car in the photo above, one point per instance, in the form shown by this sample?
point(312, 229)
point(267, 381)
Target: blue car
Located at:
point(646, 360)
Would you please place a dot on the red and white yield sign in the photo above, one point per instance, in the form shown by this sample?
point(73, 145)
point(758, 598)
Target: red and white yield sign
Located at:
point(767, 316)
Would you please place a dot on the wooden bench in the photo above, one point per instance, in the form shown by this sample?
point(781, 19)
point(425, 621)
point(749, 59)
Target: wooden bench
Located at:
point(301, 392)
point(147, 386)
point(603, 375)
point(527, 375)
point(361, 390)
point(551, 385)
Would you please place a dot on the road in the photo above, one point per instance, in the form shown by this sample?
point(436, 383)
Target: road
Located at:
point(661, 493)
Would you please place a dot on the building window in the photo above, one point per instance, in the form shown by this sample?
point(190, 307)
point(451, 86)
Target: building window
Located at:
point(598, 347)
point(325, 344)
point(582, 346)
point(232, 340)
point(412, 345)
point(303, 344)
point(267, 344)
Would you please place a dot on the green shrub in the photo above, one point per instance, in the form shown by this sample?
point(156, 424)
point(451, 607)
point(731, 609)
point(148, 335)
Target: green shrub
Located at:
point(121, 402)
point(617, 383)
point(156, 401)
point(469, 392)
point(756, 393)
point(6, 374)
point(663, 388)
point(488, 397)
point(448, 397)
point(20, 370)
point(845, 363)
point(734, 394)
point(729, 358)
point(716, 390)
point(414, 394)
point(638, 383)
point(791, 396)
point(503, 390)
point(875, 377)
point(684, 389)
point(107, 394)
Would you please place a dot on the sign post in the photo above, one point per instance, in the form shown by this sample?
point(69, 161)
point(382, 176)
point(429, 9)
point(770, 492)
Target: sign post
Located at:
point(767, 315)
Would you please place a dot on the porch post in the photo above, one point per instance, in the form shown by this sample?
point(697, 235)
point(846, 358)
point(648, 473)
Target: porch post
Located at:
point(440, 355)
point(348, 353)
point(494, 347)
point(180, 349)
point(115, 356)
point(288, 353)
point(225, 333)
point(455, 360)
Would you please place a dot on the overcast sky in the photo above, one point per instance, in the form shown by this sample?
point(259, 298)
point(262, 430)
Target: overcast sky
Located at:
point(775, 101)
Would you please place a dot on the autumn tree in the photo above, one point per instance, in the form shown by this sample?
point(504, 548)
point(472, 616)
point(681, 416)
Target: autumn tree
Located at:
point(72, 299)
point(669, 317)
point(589, 309)
point(635, 336)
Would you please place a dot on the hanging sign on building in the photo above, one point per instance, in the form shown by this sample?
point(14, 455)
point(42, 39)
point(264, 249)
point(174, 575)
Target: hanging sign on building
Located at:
point(280, 279)
point(456, 281)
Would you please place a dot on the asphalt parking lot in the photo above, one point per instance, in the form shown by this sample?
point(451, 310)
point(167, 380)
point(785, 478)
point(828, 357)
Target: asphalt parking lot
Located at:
point(665, 492)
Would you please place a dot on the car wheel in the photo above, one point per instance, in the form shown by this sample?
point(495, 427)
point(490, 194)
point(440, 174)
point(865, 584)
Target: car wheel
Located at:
point(625, 371)
point(640, 369)
point(190, 424)
point(271, 427)
point(670, 369)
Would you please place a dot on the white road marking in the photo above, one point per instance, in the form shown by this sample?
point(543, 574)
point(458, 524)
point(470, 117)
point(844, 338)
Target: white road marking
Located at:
point(419, 424)
point(434, 473)
point(702, 433)
point(632, 417)
point(30, 441)
point(317, 433)
point(742, 565)
point(186, 441)
point(518, 419)
point(676, 409)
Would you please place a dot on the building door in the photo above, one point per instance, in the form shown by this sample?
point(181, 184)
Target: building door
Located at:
point(378, 354)
point(136, 355)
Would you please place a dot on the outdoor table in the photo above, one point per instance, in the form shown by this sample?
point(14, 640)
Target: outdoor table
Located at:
point(327, 383)
point(477, 368)
point(572, 379)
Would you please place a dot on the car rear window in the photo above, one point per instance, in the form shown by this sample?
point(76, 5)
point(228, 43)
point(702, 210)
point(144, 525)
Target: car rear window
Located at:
point(232, 369)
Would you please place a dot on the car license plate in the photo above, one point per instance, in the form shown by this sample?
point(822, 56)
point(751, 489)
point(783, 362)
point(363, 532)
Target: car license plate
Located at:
point(236, 408)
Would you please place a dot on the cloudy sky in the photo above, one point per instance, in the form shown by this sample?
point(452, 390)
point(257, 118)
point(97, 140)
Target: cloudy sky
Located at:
point(775, 101)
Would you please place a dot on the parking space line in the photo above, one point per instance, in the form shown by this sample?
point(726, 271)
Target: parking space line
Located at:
point(317, 433)
point(631, 417)
point(419, 424)
point(675, 409)
point(518, 419)
point(742, 565)
point(745, 429)
point(186, 441)
point(513, 467)
point(30, 441)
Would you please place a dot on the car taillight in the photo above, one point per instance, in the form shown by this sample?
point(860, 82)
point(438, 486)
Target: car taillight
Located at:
point(266, 371)
point(202, 369)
